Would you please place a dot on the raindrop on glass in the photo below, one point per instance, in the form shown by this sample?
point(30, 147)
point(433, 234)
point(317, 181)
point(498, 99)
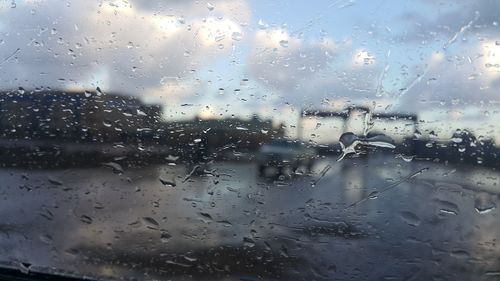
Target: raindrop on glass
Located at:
point(236, 36)
point(410, 218)
point(284, 43)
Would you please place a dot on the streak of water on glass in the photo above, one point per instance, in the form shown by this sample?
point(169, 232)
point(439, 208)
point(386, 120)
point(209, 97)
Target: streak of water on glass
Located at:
point(350, 143)
point(375, 194)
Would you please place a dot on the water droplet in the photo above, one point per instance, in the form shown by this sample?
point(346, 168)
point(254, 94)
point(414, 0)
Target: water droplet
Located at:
point(150, 223)
point(460, 254)
point(406, 158)
point(225, 223)
point(284, 43)
point(166, 182)
point(373, 195)
point(25, 267)
point(176, 263)
point(117, 168)
point(210, 6)
point(261, 24)
point(20, 90)
point(165, 237)
point(417, 134)
point(219, 37)
point(141, 113)
point(447, 207)
point(98, 91)
point(171, 158)
point(106, 123)
point(205, 216)
point(485, 209)
point(46, 238)
point(86, 219)
point(449, 212)
point(189, 259)
point(410, 218)
point(284, 252)
point(248, 242)
point(55, 181)
point(221, 91)
point(46, 213)
point(87, 94)
point(236, 36)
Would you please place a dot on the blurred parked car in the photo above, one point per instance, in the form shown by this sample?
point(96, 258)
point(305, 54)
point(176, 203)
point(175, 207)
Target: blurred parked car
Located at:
point(285, 153)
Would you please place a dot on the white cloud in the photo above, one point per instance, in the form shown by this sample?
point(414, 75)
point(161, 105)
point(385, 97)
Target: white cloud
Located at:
point(363, 57)
point(171, 91)
point(490, 51)
point(283, 62)
point(121, 46)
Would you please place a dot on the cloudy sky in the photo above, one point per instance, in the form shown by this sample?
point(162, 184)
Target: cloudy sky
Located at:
point(440, 59)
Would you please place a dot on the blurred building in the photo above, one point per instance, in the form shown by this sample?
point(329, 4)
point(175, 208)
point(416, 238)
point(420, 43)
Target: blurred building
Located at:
point(75, 116)
point(219, 135)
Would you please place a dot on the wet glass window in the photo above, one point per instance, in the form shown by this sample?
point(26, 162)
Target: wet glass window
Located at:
point(249, 140)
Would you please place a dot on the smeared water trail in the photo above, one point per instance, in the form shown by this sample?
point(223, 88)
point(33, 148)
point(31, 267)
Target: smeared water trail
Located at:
point(350, 143)
point(376, 194)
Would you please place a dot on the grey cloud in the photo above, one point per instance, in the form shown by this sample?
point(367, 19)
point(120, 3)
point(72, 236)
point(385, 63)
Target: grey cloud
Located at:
point(236, 10)
point(463, 78)
point(307, 72)
point(456, 14)
point(286, 69)
point(331, 79)
point(452, 86)
point(353, 85)
point(286, 65)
